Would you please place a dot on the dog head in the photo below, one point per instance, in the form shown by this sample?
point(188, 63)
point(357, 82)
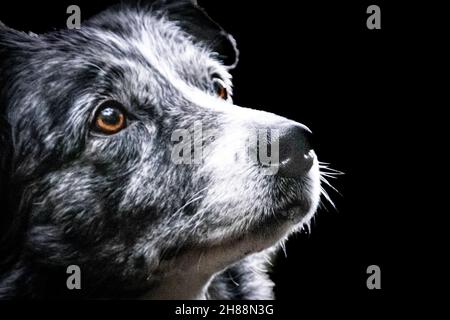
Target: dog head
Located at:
point(129, 158)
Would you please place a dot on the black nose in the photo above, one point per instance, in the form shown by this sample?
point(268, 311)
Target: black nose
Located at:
point(295, 146)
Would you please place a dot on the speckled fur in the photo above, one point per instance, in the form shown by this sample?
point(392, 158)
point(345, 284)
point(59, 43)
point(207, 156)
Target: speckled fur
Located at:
point(138, 225)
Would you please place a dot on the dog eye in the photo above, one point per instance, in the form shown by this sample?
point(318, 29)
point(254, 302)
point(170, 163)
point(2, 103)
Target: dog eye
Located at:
point(220, 89)
point(110, 118)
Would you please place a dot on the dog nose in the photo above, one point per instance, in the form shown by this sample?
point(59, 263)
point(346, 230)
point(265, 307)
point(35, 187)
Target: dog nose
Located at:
point(295, 151)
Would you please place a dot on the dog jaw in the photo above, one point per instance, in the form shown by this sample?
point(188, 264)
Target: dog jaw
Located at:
point(188, 275)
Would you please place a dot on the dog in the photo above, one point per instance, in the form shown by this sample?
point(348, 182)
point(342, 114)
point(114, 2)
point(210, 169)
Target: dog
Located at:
point(87, 170)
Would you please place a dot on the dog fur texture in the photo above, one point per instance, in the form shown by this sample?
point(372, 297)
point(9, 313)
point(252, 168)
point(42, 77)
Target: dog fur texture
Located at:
point(136, 224)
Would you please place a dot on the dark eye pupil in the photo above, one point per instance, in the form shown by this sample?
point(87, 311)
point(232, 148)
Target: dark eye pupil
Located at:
point(110, 116)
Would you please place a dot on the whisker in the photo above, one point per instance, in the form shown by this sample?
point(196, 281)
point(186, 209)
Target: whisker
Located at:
point(327, 197)
point(330, 170)
point(191, 200)
point(257, 269)
point(327, 172)
point(329, 175)
point(283, 247)
point(308, 226)
point(268, 260)
point(329, 184)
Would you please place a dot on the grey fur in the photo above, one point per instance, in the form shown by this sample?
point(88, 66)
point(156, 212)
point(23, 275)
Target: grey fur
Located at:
point(138, 225)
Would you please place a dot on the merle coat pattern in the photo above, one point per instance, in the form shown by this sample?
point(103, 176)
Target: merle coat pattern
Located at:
point(138, 225)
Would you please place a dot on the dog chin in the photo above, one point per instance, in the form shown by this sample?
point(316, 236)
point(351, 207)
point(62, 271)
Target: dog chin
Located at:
point(211, 257)
point(197, 264)
point(187, 275)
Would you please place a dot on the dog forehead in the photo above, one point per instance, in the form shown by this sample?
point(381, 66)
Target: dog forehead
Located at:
point(150, 54)
point(153, 43)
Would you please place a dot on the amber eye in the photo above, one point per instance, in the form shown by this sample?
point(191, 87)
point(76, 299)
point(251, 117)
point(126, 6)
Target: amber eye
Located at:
point(110, 118)
point(220, 89)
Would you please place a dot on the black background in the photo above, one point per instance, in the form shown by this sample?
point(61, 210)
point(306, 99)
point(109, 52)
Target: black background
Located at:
point(318, 64)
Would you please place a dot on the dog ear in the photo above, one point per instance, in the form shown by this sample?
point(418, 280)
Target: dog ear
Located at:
point(189, 16)
point(195, 21)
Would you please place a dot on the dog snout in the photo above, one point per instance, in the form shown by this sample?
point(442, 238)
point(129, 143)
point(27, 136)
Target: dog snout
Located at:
point(295, 150)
